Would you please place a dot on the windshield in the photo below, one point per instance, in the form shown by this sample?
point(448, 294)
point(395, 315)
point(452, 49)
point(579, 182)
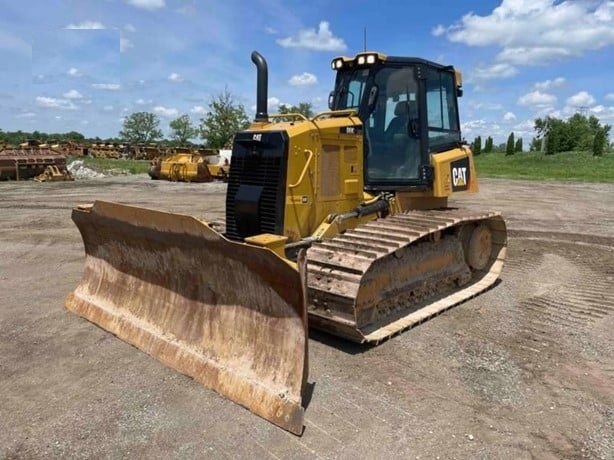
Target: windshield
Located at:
point(351, 86)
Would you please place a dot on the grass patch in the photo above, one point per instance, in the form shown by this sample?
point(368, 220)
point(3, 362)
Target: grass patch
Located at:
point(575, 166)
point(108, 164)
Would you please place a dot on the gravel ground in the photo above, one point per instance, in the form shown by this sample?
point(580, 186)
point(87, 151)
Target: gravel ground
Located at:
point(525, 370)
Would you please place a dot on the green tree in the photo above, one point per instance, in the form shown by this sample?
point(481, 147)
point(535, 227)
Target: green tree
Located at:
point(182, 129)
point(304, 108)
point(477, 145)
point(599, 142)
point(73, 136)
point(509, 148)
point(225, 118)
point(488, 145)
point(576, 133)
point(141, 127)
point(551, 142)
point(518, 147)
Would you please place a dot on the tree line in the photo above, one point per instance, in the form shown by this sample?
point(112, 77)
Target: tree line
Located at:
point(553, 135)
point(224, 117)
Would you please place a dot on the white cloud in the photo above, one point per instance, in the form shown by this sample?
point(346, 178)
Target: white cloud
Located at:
point(304, 79)
point(319, 40)
point(165, 111)
point(581, 99)
point(485, 105)
point(509, 116)
point(129, 28)
point(478, 127)
point(175, 77)
point(143, 101)
point(537, 99)
point(73, 94)
point(531, 32)
point(273, 102)
point(124, 44)
point(74, 72)
point(107, 108)
point(609, 97)
point(86, 25)
point(107, 86)
point(51, 102)
point(494, 71)
point(605, 114)
point(438, 31)
point(25, 115)
point(549, 84)
point(146, 4)
point(199, 110)
point(12, 42)
point(527, 126)
point(271, 31)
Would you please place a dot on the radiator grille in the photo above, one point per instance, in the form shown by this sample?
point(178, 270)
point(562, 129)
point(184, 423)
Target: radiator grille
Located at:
point(262, 165)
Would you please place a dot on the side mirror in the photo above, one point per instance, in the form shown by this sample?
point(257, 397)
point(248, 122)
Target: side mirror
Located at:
point(331, 100)
point(372, 98)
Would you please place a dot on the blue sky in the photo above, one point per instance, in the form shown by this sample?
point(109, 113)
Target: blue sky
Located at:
point(83, 65)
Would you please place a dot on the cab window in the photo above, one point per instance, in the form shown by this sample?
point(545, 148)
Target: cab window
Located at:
point(442, 112)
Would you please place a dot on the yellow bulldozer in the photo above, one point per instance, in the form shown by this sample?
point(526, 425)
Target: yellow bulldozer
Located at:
point(339, 222)
point(186, 164)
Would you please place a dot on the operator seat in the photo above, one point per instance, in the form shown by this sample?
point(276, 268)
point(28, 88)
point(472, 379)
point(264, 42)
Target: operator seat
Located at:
point(398, 125)
point(403, 141)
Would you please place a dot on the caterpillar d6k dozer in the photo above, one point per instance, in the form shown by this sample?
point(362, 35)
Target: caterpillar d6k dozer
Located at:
point(340, 222)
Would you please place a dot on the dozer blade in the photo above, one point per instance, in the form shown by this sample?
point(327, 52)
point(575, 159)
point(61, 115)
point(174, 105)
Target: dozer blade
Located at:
point(230, 315)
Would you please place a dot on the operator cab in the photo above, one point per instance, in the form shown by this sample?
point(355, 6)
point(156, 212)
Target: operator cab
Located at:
point(395, 98)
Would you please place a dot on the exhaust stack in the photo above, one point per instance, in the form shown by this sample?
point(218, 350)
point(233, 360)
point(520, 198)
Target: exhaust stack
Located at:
point(262, 87)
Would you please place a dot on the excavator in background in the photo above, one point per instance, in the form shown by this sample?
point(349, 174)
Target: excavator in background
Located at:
point(339, 222)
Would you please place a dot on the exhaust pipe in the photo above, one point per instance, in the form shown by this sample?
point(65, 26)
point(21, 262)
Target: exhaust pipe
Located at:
point(262, 87)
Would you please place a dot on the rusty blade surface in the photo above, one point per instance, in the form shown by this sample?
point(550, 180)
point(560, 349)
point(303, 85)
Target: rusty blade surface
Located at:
point(229, 315)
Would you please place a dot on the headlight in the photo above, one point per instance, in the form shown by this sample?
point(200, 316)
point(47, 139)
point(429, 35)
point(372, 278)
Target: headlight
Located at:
point(370, 59)
point(361, 60)
point(339, 63)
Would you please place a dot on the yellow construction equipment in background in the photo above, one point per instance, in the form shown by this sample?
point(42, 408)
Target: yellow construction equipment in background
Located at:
point(342, 218)
point(52, 173)
point(186, 165)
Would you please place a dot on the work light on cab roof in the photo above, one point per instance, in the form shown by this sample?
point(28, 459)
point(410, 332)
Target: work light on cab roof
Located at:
point(361, 59)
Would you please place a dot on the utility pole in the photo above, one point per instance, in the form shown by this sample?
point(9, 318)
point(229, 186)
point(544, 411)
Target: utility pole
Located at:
point(582, 110)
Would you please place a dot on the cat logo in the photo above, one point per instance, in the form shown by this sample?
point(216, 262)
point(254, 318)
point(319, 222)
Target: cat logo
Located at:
point(459, 177)
point(460, 174)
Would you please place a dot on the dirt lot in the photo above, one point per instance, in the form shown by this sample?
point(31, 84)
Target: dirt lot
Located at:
point(525, 370)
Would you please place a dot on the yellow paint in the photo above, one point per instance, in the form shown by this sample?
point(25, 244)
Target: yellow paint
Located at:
point(275, 243)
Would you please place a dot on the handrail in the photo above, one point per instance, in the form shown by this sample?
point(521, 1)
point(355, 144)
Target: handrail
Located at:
point(344, 112)
point(300, 179)
point(289, 115)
